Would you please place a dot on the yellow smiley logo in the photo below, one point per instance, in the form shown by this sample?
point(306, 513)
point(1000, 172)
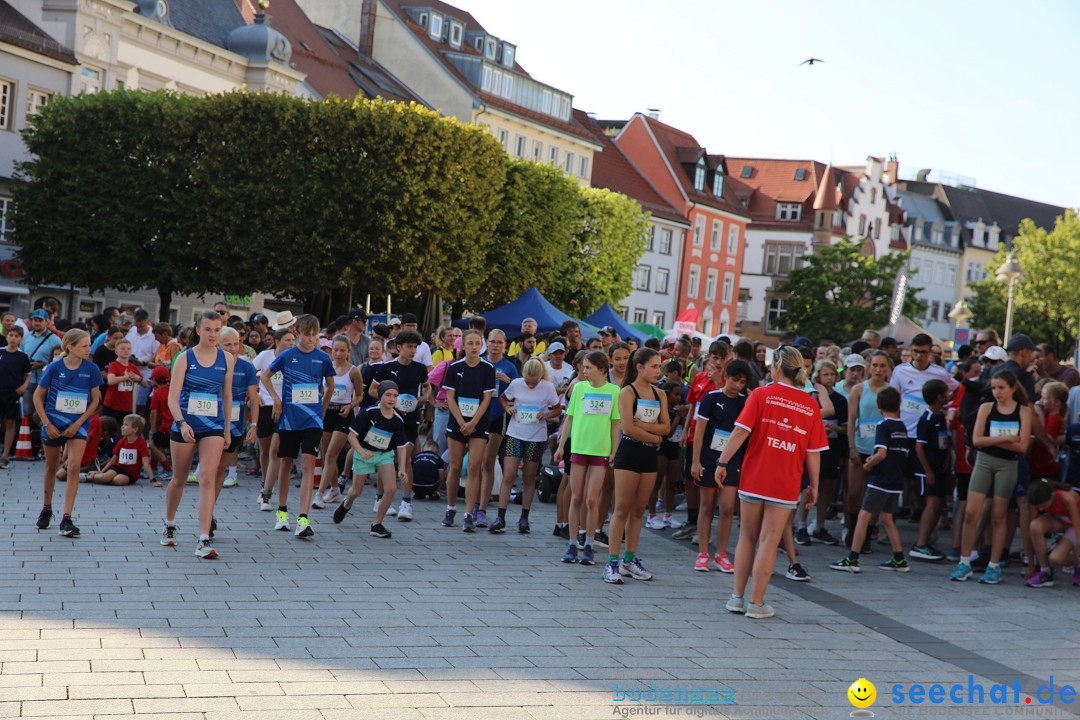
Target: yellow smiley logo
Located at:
point(862, 693)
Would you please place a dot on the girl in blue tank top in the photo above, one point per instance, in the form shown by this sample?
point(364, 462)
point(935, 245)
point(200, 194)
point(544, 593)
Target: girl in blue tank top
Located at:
point(863, 419)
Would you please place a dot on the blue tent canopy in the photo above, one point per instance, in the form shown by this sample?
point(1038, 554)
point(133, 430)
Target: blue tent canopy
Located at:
point(607, 315)
point(531, 304)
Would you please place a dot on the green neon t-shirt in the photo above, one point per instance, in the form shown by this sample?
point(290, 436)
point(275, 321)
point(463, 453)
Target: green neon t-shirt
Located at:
point(593, 409)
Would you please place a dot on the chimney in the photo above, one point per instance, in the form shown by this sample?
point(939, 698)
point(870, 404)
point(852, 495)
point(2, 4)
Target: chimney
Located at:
point(247, 9)
point(893, 169)
point(367, 28)
point(654, 113)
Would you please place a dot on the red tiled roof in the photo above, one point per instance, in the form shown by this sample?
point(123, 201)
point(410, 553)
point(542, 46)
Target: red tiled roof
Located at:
point(773, 181)
point(16, 29)
point(312, 54)
point(613, 170)
point(370, 77)
point(676, 144)
point(825, 199)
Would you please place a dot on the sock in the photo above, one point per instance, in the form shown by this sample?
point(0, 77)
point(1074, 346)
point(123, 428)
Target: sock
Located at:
point(800, 524)
point(302, 516)
point(612, 559)
point(204, 538)
point(407, 498)
point(558, 524)
point(47, 507)
point(853, 556)
point(66, 517)
point(812, 527)
point(170, 522)
point(691, 515)
point(282, 508)
point(667, 516)
point(628, 557)
point(898, 556)
point(232, 471)
point(993, 565)
point(502, 513)
point(572, 544)
point(378, 497)
point(451, 508)
point(966, 559)
point(736, 597)
point(524, 513)
point(588, 541)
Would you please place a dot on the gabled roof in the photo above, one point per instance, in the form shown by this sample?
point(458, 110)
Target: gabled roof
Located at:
point(311, 53)
point(17, 30)
point(372, 78)
point(613, 170)
point(771, 181)
point(968, 204)
point(677, 145)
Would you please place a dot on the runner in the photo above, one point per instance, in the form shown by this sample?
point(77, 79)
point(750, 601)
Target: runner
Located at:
point(121, 380)
point(785, 434)
point(505, 373)
point(348, 389)
point(200, 400)
point(307, 384)
point(66, 397)
point(529, 402)
point(266, 430)
point(863, 419)
point(245, 405)
point(14, 380)
point(619, 355)
point(645, 423)
point(470, 386)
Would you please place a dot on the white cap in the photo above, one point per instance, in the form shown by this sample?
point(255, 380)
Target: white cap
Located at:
point(995, 353)
point(854, 360)
point(395, 321)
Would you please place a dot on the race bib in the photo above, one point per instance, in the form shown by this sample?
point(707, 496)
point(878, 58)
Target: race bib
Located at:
point(1004, 428)
point(597, 404)
point(406, 403)
point(129, 456)
point(377, 438)
point(305, 394)
point(468, 406)
point(677, 435)
point(647, 411)
point(943, 441)
point(126, 386)
point(234, 413)
point(202, 404)
point(70, 403)
point(342, 395)
point(526, 414)
point(275, 380)
point(719, 440)
point(913, 404)
point(867, 430)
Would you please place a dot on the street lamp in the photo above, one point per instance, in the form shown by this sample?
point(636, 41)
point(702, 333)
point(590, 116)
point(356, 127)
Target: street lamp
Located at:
point(961, 313)
point(1010, 272)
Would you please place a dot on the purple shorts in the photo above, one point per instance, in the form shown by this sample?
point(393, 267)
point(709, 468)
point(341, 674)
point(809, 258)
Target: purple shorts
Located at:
point(588, 460)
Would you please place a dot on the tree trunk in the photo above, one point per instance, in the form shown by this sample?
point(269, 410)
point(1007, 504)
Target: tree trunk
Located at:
point(457, 309)
point(165, 302)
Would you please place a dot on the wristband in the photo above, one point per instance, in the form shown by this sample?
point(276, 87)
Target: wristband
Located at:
point(721, 464)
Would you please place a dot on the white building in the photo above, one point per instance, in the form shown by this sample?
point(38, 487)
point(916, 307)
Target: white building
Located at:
point(935, 260)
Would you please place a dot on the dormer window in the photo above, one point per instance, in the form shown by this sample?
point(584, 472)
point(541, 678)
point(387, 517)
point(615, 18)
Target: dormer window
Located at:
point(479, 44)
point(718, 183)
point(436, 27)
point(456, 32)
point(491, 47)
point(800, 174)
point(699, 176)
point(508, 55)
point(746, 172)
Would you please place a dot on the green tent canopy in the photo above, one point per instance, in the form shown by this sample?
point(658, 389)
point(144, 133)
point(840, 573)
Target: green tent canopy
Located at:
point(651, 330)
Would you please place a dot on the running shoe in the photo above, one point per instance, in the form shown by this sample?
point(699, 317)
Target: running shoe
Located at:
point(926, 552)
point(168, 536)
point(992, 575)
point(5, 463)
point(230, 481)
point(44, 518)
point(468, 525)
point(193, 479)
point(702, 562)
point(824, 536)
point(523, 526)
point(722, 563)
point(303, 528)
point(332, 494)
point(68, 529)
point(282, 521)
point(570, 556)
point(961, 572)
point(587, 556)
point(846, 564)
point(205, 550)
point(797, 573)
point(564, 532)
point(953, 555)
point(611, 573)
point(1041, 579)
point(481, 519)
point(684, 532)
point(655, 522)
point(802, 537)
point(340, 512)
point(735, 604)
point(391, 511)
point(404, 512)
point(600, 539)
point(264, 502)
point(895, 565)
point(635, 569)
point(759, 611)
point(377, 530)
point(318, 502)
point(497, 526)
point(448, 518)
point(581, 539)
point(557, 532)
point(672, 522)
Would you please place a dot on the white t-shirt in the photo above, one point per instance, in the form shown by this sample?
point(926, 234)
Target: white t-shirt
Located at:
point(423, 355)
point(262, 362)
point(529, 402)
point(909, 382)
point(561, 377)
point(143, 347)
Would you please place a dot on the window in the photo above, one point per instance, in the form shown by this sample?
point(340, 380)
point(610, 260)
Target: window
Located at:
point(5, 224)
point(775, 313)
point(927, 273)
point(692, 284)
point(717, 228)
point(951, 278)
point(455, 34)
point(838, 217)
point(508, 55)
point(862, 224)
point(788, 211)
point(7, 105)
point(732, 241)
point(35, 100)
point(729, 287)
point(507, 86)
point(519, 146)
point(650, 239)
point(491, 46)
point(699, 176)
point(665, 241)
point(436, 26)
point(553, 155)
point(658, 319)
point(568, 165)
point(642, 277)
point(479, 43)
point(640, 314)
point(800, 173)
point(538, 151)
point(583, 168)
point(699, 230)
point(718, 183)
point(935, 310)
point(877, 229)
point(945, 310)
point(485, 78)
point(975, 272)
point(939, 273)
point(663, 276)
point(782, 259)
point(710, 284)
point(746, 172)
point(504, 139)
point(91, 79)
point(545, 102)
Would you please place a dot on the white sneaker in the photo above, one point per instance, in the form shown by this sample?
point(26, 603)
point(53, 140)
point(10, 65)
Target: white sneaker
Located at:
point(375, 506)
point(672, 522)
point(318, 502)
point(404, 513)
point(655, 522)
point(391, 512)
point(264, 502)
point(332, 495)
point(282, 521)
point(193, 479)
point(230, 481)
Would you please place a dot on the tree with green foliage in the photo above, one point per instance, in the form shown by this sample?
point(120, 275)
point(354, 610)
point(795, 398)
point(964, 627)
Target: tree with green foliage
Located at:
point(1046, 303)
point(840, 292)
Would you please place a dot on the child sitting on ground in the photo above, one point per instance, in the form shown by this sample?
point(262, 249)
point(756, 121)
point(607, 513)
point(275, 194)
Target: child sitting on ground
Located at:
point(129, 456)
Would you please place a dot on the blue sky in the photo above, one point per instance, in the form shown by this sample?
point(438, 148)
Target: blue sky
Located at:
point(985, 90)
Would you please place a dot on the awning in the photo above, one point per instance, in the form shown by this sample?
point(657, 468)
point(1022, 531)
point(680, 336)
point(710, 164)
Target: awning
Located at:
point(11, 289)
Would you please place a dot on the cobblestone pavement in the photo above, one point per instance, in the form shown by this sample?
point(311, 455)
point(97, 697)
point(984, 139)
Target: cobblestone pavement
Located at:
point(437, 625)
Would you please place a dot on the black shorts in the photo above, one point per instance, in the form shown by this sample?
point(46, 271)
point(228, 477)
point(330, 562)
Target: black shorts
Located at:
point(10, 406)
point(160, 440)
point(935, 490)
point(635, 456)
point(708, 477)
point(265, 425)
point(333, 422)
point(59, 441)
point(878, 501)
point(962, 480)
point(235, 444)
point(117, 415)
point(176, 437)
point(292, 442)
point(121, 471)
point(668, 449)
point(412, 429)
point(478, 434)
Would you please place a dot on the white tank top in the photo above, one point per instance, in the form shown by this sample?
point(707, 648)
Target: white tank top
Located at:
point(343, 388)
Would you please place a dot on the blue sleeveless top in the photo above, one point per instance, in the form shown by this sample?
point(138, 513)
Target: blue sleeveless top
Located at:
point(201, 401)
point(869, 417)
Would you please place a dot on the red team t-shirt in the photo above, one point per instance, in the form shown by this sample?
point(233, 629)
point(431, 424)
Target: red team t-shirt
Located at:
point(160, 401)
point(120, 397)
point(1044, 464)
point(129, 455)
point(784, 424)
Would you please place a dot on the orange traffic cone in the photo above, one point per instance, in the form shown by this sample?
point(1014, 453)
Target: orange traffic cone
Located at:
point(24, 450)
point(318, 471)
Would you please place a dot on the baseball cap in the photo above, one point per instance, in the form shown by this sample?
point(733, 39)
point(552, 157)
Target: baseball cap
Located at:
point(40, 314)
point(394, 321)
point(160, 373)
point(803, 342)
point(1020, 341)
point(260, 319)
point(995, 353)
point(556, 347)
point(357, 314)
point(607, 330)
point(854, 360)
point(890, 342)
